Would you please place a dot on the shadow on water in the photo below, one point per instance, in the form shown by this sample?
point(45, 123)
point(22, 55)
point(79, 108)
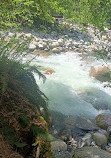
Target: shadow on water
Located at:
point(63, 99)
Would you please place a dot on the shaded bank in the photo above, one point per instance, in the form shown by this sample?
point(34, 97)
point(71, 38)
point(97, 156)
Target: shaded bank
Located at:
point(22, 124)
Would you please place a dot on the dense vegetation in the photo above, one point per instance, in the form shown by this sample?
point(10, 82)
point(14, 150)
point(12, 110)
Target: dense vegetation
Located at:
point(22, 124)
point(41, 12)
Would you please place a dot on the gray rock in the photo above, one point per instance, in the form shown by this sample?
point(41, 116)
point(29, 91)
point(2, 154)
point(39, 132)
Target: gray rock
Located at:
point(85, 141)
point(109, 133)
point(59, 145)
point(100, 139)
point(61, 42)
point(90, 152)
point(103, 120)
point(57, 50)
point(32, 46)
point(55, 44)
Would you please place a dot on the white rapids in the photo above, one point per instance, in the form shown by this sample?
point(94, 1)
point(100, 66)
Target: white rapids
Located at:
point(70, 89)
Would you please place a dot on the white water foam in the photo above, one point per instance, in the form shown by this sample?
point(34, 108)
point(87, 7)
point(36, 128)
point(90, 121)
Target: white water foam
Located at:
point(70, 89)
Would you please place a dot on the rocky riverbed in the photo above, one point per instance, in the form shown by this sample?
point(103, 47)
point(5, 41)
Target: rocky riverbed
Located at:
point(77, 136)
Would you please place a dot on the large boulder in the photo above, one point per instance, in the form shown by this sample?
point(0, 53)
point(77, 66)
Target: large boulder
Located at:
point(90, 152)
point(103, 120)
point(101, 73)
point(100, 139)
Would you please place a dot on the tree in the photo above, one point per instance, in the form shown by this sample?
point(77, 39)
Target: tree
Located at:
point(16, 12)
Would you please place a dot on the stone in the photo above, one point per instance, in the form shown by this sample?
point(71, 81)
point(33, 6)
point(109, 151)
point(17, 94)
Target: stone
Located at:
point(59, 145)
point(106, 84)
point(90, 152)
point(40, 53)
point(61, 42)
point(56, 50)
point(54, 45)
point(103, 120)
point(109, 133)
point(100, 139)
point(85, 141)
point(49, 71)
point(101, 73)
point(32, 46)
point(40, 45)
point(104, 37)
point(108, 149)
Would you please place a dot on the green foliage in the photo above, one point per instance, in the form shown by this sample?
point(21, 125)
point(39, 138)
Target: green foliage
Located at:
point(12, 66)
point(40, 132)
point(36, 130)
point(14, 13)
point(20, 145)
point(9, 135)
point(8, 132)
point(24, 120)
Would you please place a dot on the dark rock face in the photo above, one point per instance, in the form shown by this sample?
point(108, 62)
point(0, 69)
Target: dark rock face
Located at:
point(103, 121)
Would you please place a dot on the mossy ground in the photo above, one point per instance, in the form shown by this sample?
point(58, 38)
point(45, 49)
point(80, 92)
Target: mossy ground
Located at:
point(21, 123)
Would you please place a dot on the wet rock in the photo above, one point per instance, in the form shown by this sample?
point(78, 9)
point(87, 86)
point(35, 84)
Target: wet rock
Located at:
point(40, 53)
point(106, 84)
point(109, 133)
point(101, 73)
point(100, 139)
point(59, 145)
point(85, 124)
point(49, 71)
point(103, 120)
point(90, 152)
point(85, 141)
point(72, 144)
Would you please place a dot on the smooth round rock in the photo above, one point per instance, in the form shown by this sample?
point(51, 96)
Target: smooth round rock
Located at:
point(100, 139)
point(103, 120)
point(59, 145)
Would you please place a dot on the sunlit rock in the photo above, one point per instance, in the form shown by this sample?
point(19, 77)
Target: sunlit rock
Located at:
point(54, 44)
point(61, 42)
point(101, 73)
point(32, 46)
point(57, 50)
point(104, 37)
point(49, 71)
point(108, 149)
point(40, 53)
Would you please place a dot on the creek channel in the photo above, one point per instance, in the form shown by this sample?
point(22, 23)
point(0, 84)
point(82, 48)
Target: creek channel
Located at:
point(73, 95)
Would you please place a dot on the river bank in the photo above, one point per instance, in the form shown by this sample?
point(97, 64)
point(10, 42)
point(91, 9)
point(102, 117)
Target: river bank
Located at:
point(75, 98)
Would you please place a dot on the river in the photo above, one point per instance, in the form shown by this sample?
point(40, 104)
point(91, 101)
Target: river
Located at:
point(70, 89)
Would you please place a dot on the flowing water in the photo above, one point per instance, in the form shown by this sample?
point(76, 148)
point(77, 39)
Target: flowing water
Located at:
point(70, 89)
